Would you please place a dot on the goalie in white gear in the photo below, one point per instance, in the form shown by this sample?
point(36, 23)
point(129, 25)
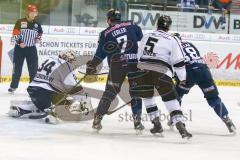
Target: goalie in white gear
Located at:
point(54, 79)
point(160, 56)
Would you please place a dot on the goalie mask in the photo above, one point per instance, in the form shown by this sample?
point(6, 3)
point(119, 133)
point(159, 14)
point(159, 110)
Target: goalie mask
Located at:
point(68, 55)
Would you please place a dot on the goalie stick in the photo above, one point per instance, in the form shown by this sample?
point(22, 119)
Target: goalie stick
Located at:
point(66, 94)
point(116, 109)
point(95, 74)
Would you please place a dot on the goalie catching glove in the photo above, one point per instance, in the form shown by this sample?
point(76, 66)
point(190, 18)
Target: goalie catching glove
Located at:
point(91, 70)
point(92, 66)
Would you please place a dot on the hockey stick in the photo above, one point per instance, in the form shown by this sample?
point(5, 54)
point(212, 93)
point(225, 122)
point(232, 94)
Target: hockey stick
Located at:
point(66, 94)
point(39, 116)
point(115, 110)
point(95, 74)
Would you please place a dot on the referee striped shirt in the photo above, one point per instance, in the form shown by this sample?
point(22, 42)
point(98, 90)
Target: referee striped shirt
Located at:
point(27, 32)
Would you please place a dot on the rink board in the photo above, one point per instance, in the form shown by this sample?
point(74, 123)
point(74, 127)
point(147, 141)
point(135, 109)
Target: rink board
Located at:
point(220, 51)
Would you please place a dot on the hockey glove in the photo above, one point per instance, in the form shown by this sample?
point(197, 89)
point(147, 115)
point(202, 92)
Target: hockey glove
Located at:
point(92, 65)
point(91, 68)
point(182, 83)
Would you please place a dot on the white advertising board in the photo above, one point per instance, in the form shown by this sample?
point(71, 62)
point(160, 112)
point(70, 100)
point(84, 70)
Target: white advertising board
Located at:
point(182, 21)
point(221, 51)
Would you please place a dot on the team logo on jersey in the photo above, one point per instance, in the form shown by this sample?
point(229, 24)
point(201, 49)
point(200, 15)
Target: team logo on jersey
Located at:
point(36, 25)
point(23, 24)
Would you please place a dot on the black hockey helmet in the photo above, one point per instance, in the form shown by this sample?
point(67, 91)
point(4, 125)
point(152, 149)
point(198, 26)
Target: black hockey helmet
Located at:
point(164, 22)
point(114, 15)
point(177, 35)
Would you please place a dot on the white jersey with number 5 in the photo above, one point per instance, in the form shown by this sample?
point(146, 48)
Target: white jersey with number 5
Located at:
point(161, 52)
point(55, 74)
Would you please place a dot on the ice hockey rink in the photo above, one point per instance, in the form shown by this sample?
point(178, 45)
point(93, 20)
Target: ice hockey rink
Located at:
point(23, 139)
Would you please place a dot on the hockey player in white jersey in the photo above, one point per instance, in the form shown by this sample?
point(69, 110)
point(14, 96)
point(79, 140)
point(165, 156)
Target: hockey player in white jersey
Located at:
point(160, 56)
point(54, 78)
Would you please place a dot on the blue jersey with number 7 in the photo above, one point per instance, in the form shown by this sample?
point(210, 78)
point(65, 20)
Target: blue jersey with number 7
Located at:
point(119, 42)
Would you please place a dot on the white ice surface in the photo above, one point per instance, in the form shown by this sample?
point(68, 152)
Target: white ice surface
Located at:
point(34, 140)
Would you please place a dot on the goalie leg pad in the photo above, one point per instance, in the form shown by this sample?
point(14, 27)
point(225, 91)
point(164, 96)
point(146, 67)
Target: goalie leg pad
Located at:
point(19, 108)
point(24, 104)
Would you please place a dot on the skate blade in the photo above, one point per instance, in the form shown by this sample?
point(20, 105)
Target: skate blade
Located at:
point(171, 128)
point(234, 133)
point(158, 135)
point(139, 132)
point(11, 93)
point(96, 131)
point(187, 138)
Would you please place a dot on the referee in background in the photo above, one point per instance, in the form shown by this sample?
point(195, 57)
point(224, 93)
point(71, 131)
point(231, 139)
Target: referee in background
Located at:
point(27, 32)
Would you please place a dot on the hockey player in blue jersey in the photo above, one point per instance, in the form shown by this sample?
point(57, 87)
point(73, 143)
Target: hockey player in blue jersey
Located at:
point(119, 44)
point(199, 74)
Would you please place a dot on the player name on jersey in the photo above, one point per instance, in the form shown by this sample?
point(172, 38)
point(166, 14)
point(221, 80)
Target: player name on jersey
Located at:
point(119, 31)
point(44, 77)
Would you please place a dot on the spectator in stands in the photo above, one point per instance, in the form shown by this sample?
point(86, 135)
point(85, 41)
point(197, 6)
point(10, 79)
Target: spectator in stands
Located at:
point(188, 5)
point(223, 5)
point(202, 3)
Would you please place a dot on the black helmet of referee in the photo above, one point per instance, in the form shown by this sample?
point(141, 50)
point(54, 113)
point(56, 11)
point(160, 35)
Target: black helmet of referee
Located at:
point(164, 22)
point(114, 15)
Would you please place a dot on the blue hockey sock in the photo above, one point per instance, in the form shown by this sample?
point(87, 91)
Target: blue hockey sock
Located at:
point(219, 107)
point(136, 105)
point(221, 110)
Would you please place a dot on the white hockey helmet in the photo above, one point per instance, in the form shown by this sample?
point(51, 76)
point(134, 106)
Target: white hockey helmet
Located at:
point(68, 55)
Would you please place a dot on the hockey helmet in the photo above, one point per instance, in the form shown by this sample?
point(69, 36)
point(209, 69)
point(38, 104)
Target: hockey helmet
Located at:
point(32, 8)
point(164, 22)
point(114, 14)
point(68, 55)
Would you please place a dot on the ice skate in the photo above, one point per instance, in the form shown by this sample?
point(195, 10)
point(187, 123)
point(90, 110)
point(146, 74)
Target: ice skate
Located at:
point(11, 90)
point(157, 127)
point(171, 125)
point(182, 130)
point(138, 126)
point(231, 127)
point(97, 122)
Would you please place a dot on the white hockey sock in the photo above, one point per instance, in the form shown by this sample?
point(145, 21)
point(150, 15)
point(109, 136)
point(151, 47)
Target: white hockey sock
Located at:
point(151, 107)
point(172, 105)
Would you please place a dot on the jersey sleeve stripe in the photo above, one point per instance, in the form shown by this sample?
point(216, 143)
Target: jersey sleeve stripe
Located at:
point(179, 64)
point(179, 46)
